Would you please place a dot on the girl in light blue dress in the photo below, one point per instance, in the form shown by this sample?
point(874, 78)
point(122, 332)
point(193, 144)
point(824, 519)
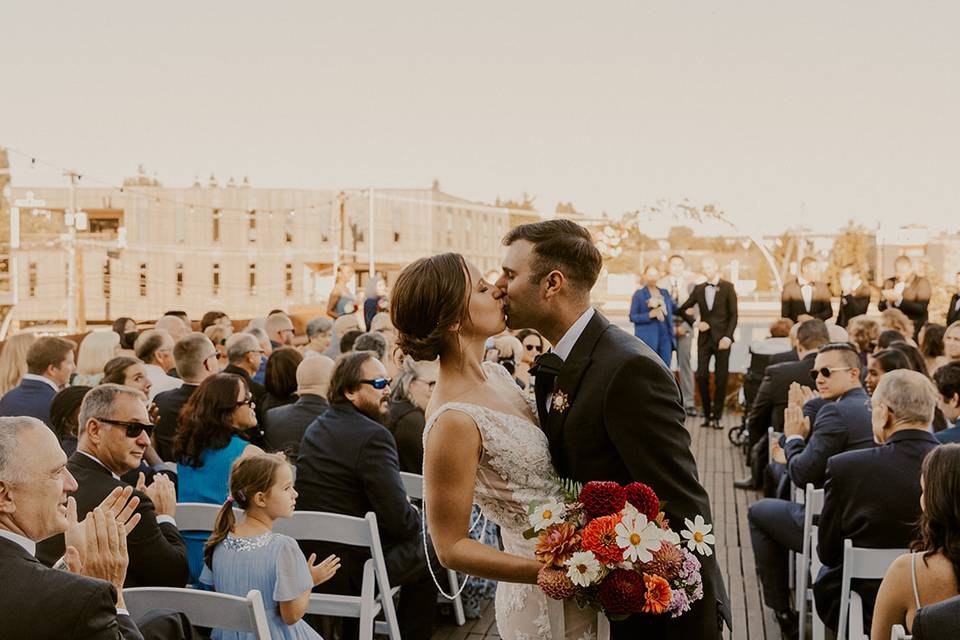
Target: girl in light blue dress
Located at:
point(245, 555)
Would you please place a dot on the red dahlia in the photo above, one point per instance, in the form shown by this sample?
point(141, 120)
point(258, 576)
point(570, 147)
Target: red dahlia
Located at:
point(601, 498)
point(644, 499)
point(623, 592)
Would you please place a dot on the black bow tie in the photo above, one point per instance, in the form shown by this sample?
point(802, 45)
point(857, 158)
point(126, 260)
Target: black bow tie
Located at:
point(548, 364)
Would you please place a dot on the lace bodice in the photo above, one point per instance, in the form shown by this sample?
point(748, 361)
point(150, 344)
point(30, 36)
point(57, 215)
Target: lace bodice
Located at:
point(514, 468)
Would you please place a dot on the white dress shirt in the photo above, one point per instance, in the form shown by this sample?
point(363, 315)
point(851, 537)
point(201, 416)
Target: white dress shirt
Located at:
point(44, 379)
point(806, 292)
point(569, 340)
point(160, 381)
point(710, 293)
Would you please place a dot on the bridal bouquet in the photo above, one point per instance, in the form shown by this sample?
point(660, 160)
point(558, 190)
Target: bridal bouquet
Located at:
point(610, 548)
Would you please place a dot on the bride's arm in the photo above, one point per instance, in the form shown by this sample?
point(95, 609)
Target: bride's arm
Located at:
point(450, 471)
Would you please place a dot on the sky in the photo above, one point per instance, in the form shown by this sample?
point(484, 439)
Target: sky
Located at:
point(782, 114)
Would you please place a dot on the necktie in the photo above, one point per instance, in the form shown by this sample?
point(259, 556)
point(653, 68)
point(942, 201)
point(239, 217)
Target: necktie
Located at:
point(545, 370)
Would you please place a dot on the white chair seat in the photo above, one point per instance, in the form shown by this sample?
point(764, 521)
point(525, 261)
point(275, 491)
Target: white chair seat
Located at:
point(203, 608)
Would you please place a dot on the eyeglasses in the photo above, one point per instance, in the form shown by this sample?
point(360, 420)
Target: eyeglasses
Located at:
point(533, 347)
point(246, 401)
point(826, 371)
point(134, 429)
point(377, 383)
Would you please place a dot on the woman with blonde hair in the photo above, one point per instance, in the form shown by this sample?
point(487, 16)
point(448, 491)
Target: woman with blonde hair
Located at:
point(13, 360)
point(218, 334)
point(96, 349)
point(898, 321)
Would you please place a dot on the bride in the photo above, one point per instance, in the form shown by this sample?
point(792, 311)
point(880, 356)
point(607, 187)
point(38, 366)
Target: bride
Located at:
point(482, 445)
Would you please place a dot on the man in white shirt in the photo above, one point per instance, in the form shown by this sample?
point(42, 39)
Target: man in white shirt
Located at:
point(155, 348)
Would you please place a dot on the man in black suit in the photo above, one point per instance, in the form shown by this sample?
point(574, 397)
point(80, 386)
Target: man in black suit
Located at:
point(590, 420)
point(244, 357)
point(196, 359)
point(873, 496)
point(953, 310)
point(716, 300)
point(804, 297)
point(855, 296)
point(348, 464)
point(771, 399)
point(286, 425)
point(114, 434)
point(908, 292)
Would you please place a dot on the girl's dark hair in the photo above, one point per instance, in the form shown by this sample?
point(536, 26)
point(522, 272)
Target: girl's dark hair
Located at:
point(206, 420)
point(430, 296)
point(120, 325)
point(64, 409)
point(932, 344)
point(891, 360)
point(280, 376)
point(940, 520)
point(115, 371)
point(913, 355)
point(888, 337)
point(249, 476)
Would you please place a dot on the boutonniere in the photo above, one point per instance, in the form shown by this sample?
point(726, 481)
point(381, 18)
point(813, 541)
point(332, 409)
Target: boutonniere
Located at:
point(560, 402)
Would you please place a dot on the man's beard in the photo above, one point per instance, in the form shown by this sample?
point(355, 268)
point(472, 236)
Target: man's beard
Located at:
point(372, 410)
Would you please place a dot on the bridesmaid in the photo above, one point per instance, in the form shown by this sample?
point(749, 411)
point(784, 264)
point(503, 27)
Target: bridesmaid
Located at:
point(651, 313)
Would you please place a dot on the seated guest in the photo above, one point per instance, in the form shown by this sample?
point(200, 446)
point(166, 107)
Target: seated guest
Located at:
point(409, 397)
point(383, 325)
point(348, 464)
point(114, 433)
point(266, 345)
point(319, 337)
point(374, 342)
point(218, 335)
point(246, 555)
point(65, 416)
point(864, 333)
point(124, 325)
point(341, 326)
point(208, 442)
point(279, 329)
point(913, 354)
point(244, 357)
point(929, 573)
point(155, 349)
point(211, 318)
point(38, 602)
point(348, 340)
point(49, 367)
point(285, 425)
point(96, 348)
point(13, 360)
point(173, 324)
point(883, 362)
point(947, 379)
point(873, 496)
point(931, 346)
point(196, 361)
point(130, 372)
point(951, 342)
point(280, 380)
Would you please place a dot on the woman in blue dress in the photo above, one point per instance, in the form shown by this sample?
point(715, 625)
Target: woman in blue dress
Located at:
point(207, 444)
point(651, 313)
point(246, 555)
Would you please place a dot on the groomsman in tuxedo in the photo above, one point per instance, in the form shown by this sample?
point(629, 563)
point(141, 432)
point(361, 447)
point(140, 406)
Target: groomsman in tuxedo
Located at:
point(804, 298)
point(716, 301)
point(908, 292)
point(855, 297)
point(953, 311)
point(679, 283)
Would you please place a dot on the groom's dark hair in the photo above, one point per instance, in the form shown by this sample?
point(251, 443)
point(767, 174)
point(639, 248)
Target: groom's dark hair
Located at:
point(560, 245)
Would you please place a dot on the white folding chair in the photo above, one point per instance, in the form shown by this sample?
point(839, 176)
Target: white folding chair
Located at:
point(199, 516)
point(358, 532)
point(864, 564)
point(899, 633)
point(813, 505)
point(203, 608)
point(413, 484)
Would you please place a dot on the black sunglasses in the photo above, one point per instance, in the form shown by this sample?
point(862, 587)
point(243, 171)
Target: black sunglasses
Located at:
point(377, 383)
point(246, 401)
point(134, 429)
point(533, 347)
point(826, 371)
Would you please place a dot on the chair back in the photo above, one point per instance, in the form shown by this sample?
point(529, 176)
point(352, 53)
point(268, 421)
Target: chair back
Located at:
point(938, 621)
point(812, 506)
point(203, 608)
point(864, 564)
point(899, 633)
point(412, 484)
point(199, 516)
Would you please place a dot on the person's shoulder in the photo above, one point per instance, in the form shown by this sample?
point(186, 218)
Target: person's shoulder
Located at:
point(851, 461)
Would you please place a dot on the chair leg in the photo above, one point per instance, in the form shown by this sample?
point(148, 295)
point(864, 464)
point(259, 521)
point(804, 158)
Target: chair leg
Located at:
point(367, 602)
point(458, 613)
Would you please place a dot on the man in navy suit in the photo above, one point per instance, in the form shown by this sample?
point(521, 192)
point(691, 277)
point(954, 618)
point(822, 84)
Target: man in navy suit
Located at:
point(872, 496)
point(947, 379)
point(842, 424)
point(50, 364)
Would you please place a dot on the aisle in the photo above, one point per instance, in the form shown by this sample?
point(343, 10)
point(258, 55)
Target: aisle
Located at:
point(719, 464)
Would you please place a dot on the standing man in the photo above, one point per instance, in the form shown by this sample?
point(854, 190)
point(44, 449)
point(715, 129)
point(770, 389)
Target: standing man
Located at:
point(679, 284)
point(803, 297)
point(716, 301)
point(855, 297)
point(953, 311)
point(908, 292)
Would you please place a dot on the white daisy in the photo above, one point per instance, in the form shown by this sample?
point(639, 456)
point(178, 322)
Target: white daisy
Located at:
point(547, 514)
point(698, 536)
point(583, 568)
point(638, 537)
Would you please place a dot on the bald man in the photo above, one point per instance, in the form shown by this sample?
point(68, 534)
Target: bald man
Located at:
point(173, 325)
point(284, 426)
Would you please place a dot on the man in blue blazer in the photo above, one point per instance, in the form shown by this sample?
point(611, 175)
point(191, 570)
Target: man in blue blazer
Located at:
point(947, 379)
point(50, 364)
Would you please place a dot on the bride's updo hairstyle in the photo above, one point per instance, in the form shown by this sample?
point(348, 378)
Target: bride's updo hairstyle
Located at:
point(429, 298)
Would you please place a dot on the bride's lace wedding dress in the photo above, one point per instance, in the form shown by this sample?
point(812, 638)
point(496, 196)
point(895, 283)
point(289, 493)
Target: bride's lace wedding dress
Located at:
point(515, 470)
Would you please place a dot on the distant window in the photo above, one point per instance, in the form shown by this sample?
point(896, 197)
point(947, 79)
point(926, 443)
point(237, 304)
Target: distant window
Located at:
point(217, 215)
point(396, 237)
point(288, 278)
point(32, 279)
point(252, 225)
point(106, 280)
point(215, 287)
point(179, 285)
point(143, 279)
point(288, 227)
point(252, 279)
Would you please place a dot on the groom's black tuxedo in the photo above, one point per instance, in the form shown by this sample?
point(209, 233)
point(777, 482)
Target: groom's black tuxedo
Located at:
point(624, 421)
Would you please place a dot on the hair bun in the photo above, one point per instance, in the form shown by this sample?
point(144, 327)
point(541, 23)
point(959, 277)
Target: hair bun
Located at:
point(427, 348)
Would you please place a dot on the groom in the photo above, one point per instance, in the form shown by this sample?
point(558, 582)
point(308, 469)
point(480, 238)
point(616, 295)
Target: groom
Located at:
point(610, 408)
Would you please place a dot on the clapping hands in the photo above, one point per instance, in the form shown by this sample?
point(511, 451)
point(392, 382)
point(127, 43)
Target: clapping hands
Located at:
point(161, 492)
point(798, 395)
point(323, 571)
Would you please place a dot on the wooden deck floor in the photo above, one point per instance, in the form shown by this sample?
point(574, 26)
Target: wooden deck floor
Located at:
point(719, 464)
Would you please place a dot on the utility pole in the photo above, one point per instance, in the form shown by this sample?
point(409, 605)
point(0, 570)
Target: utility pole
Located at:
point(341, 238)
point(76, 307)
point(372, 266)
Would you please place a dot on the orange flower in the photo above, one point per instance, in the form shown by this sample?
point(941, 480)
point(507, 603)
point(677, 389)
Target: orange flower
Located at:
point(600, 536)
point(557, 543)
point(658, 594)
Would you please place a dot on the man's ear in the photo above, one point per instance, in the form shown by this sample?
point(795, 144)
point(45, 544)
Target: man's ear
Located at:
point(553, 283)
point(6, 501)
point(955, 400)
point(92, 430)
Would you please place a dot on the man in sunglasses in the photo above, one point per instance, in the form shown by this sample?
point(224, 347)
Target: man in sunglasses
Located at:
point(114, 434)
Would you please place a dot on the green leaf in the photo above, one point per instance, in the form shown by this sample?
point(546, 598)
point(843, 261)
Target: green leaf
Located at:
point(530, 534)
